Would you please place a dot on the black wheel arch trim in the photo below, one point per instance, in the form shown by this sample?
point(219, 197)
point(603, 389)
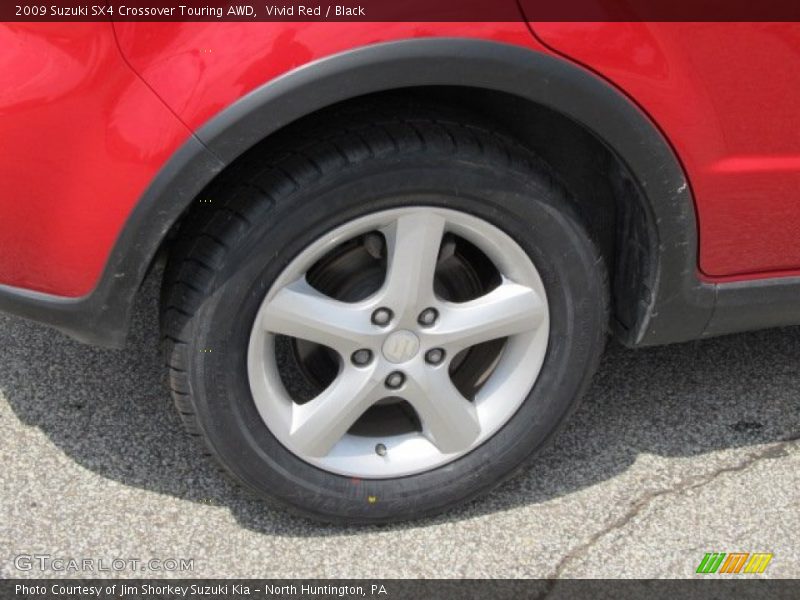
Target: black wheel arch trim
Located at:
point(680, 307)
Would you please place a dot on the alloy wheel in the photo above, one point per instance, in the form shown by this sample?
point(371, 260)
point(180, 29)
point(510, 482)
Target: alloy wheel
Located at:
point(398, 342)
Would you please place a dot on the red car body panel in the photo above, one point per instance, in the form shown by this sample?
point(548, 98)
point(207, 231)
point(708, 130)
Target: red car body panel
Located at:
point(82, 137)
point(726, 96)
point(91, 114)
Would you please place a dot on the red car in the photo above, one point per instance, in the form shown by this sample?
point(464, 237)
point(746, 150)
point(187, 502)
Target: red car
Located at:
point(394, 251)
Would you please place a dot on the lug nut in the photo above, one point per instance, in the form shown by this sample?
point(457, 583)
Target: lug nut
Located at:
point(361, 357)
point(428, 317)
point(380, 450)
point(382, 317)
point(434, 356)
point(394, 380)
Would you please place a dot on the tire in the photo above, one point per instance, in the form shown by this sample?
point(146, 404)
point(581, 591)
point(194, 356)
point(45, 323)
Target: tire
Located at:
point(257, 222)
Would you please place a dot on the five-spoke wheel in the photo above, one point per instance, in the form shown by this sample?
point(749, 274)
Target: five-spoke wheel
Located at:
point(401, 343)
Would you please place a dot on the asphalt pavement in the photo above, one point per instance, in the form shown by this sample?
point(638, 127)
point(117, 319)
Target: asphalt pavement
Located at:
point(675, 452)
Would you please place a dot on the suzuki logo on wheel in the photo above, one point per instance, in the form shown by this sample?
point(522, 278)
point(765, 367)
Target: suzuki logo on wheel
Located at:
point(400, 346)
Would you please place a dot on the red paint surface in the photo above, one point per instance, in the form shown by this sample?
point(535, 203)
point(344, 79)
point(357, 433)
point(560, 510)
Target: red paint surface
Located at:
point(726, 95)
point(82, 135)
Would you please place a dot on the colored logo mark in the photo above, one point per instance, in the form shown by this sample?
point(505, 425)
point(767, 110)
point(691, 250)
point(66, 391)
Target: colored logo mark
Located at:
point(734, 562)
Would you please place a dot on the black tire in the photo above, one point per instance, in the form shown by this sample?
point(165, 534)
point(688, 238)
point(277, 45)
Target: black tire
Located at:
point(256, 218)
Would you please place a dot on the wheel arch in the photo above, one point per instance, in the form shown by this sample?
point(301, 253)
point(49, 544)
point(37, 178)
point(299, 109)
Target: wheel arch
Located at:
point(667, 302)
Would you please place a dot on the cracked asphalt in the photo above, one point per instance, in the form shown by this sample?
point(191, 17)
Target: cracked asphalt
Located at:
point(675, 452)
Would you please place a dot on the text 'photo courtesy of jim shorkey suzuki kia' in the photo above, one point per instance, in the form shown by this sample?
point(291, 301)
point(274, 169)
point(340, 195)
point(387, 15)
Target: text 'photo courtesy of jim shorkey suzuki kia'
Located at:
point(395, 250)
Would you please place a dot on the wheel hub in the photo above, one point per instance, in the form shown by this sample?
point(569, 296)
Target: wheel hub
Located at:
point(400, 346)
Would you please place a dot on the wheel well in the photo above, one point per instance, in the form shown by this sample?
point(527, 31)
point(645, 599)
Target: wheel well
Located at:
point(605, 193)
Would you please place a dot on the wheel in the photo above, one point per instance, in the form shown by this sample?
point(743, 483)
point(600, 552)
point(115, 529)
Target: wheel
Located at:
point(384, 322)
